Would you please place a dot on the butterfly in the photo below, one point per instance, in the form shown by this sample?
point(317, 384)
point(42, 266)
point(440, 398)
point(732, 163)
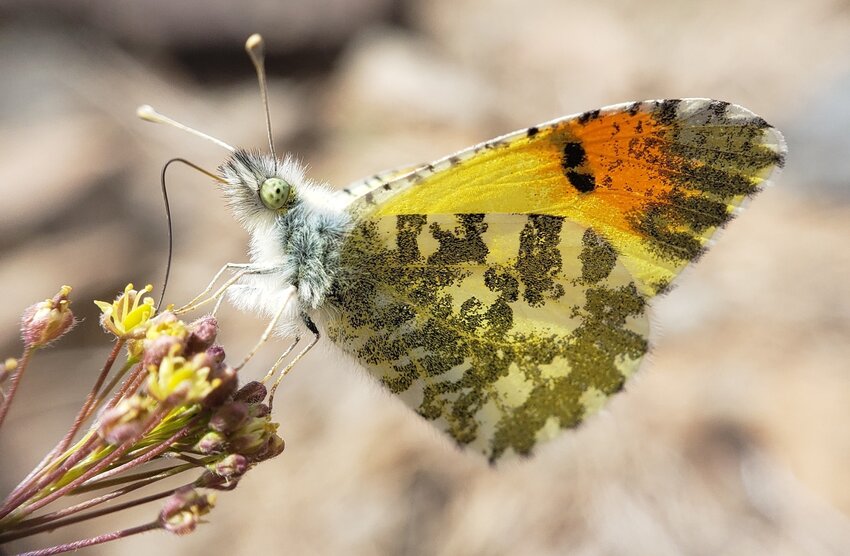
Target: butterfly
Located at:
point(501, 292)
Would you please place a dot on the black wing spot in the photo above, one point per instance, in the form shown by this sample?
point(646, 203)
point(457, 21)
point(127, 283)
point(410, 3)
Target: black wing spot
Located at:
point(588, 116)
point(667, 111)
point(718, 107)
point(574, 155)
point(532, 131)
point(582, 182)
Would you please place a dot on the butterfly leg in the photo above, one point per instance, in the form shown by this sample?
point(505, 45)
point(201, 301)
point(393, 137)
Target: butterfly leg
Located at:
point(280, 359)
point(311, 326)
point(242, 269)
point(287, 298)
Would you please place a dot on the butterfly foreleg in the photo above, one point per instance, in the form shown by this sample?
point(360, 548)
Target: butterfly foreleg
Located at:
point(242, 269)
point(288, 297)
point(311, 326)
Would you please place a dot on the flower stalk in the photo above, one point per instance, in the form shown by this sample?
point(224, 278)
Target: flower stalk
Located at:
point(172, 397)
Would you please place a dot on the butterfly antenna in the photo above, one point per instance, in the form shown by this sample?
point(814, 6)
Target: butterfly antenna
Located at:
point(255, 46)
point(168, 215)
point(147, 113)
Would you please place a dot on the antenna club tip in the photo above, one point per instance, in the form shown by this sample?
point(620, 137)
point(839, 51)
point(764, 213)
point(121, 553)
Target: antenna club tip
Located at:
point(255, 42)
point(147, 113)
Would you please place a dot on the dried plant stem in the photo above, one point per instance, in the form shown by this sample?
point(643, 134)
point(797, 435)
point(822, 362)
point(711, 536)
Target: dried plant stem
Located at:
point(100, 539)
point(14, 381)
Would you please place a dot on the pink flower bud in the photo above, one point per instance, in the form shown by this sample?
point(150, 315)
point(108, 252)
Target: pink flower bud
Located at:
point(211, 443)
point(203, 333)
point(155, 350)
point(253, 392)
point(231, 466)
point(47, 321)
point(228, 381)
point(183, 510)
point(229, 417)
point(260, 410)
point(216, 353)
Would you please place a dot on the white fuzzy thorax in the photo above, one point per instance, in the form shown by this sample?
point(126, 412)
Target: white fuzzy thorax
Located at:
point(297, 245)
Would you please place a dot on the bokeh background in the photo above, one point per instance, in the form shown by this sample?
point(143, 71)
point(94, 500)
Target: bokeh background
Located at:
point(734, 439)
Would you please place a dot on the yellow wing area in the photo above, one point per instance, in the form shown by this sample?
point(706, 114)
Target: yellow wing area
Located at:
point(501, 329)
point(502, 291)
point(656, 178)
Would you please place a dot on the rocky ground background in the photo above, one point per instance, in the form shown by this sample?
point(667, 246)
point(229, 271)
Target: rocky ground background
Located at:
point(734, 439)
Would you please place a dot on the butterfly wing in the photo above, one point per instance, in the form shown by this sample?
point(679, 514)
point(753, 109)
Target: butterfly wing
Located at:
point(502, 291)
point(361, 187)
point(656, 178)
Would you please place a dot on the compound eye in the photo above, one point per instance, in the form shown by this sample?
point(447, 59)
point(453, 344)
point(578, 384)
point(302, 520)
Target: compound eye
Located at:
point(274, 193)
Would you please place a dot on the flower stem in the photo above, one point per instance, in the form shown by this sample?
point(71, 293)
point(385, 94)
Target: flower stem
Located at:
point(149, 455)
point(64, 512)
point(57, 523)
point(22, 494)
point(100, 539)
point(84, 413)
point(155, 474)
point(100, 466)
point(88, 405)
point(14, 381)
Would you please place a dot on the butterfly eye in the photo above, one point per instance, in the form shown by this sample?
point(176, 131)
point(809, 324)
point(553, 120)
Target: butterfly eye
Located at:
point(274, 193)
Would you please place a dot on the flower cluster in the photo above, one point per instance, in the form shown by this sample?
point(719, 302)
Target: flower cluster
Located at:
point(174, 405)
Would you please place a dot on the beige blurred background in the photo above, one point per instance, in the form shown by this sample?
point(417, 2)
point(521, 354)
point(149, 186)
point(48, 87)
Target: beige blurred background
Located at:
point(734, 439)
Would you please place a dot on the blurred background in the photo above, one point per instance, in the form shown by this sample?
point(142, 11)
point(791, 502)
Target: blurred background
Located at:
point(733, 439)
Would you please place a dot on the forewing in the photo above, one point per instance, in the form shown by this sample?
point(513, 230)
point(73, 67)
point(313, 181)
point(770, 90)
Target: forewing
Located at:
point(501, 329)
point(359, 188)
point(655, 178)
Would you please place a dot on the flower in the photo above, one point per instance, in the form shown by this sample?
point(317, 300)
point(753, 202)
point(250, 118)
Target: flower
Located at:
point(162, 332)
point(125, 317)
point(230, 466)
point(125, 420)
point(179, 380)
point(255, 438)
point(48, 320)
point(183, 510)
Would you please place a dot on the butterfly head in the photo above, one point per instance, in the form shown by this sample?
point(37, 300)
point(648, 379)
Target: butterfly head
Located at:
point(260, 188)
